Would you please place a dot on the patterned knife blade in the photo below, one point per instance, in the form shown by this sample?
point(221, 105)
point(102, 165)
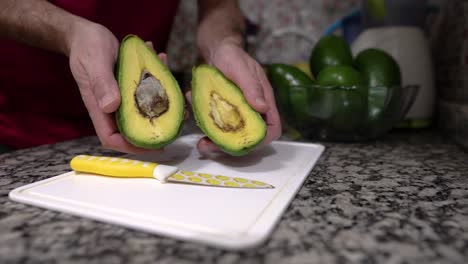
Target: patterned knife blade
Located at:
point(127, 168)
point(191, 177)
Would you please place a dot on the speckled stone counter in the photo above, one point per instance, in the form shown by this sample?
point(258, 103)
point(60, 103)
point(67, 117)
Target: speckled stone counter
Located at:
point(401, 199)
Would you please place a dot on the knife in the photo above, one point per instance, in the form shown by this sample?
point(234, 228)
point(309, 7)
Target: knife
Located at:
point(128, 168)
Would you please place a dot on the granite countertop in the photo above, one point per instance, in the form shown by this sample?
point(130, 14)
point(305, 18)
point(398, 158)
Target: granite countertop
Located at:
point(401, 199)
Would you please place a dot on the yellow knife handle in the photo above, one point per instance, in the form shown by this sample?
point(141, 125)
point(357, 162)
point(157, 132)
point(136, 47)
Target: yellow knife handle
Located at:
point(111, 166)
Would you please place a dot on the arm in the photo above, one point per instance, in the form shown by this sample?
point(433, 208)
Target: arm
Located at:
point(37, 23)
point(92, 51)
point(220, 41)
point(220, 22)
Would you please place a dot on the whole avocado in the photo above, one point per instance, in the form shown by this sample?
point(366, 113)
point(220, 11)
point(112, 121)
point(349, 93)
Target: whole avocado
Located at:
point(282, 77)
point(330, 50)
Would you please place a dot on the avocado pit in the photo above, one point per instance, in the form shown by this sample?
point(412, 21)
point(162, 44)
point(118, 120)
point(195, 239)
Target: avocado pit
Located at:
point(225, 115)
point(150, 96)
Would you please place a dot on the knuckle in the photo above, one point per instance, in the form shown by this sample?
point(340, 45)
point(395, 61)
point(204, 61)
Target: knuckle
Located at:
point(86, 92)
point(97, 81)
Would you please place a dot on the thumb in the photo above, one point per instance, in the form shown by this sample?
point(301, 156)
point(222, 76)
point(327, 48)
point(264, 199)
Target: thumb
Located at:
point(105, 89)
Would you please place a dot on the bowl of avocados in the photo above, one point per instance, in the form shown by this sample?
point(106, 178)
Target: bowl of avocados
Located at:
point(341, 97)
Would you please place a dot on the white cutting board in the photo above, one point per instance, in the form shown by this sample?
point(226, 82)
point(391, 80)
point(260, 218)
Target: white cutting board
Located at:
point(222, 217)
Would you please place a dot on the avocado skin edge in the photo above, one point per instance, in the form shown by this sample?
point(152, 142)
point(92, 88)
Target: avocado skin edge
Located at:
point(119, 117)
point(240, 152)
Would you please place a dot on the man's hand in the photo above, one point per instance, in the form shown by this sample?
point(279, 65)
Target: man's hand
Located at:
point(220, 42)
point(93, 52)
point(244, 71)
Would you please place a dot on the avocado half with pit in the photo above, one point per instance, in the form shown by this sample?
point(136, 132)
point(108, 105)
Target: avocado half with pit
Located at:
point(151, 111)
point(223, 114)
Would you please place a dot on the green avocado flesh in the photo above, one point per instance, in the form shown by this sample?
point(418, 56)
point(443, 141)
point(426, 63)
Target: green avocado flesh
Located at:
point(152, 105)
point(223, 114)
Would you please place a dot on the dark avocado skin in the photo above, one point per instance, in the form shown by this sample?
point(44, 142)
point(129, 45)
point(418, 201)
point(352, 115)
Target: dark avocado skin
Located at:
point(383, 77)
point(341, 75)
point(343, 110)
point(378, 67)
point(330, 51)
point(291, 86)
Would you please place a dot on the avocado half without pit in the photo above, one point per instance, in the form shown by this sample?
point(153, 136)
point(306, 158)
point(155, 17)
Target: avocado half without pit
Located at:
point(152, 105)
point(223, 114)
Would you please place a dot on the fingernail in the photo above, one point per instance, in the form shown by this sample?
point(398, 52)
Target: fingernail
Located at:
point(105, 101)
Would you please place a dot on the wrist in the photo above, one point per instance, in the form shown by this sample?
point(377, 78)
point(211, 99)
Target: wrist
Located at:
point(208, 49)
point(73, 33)
point(37, 23)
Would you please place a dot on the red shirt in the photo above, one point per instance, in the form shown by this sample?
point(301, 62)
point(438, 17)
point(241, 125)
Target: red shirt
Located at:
point(39, 100)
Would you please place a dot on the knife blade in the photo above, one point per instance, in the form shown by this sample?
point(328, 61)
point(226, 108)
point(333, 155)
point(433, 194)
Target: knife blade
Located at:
point(129, 168)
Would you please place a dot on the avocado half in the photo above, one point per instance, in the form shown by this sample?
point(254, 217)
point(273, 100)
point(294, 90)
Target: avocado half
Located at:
point(151, 111)
point(223, 114)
